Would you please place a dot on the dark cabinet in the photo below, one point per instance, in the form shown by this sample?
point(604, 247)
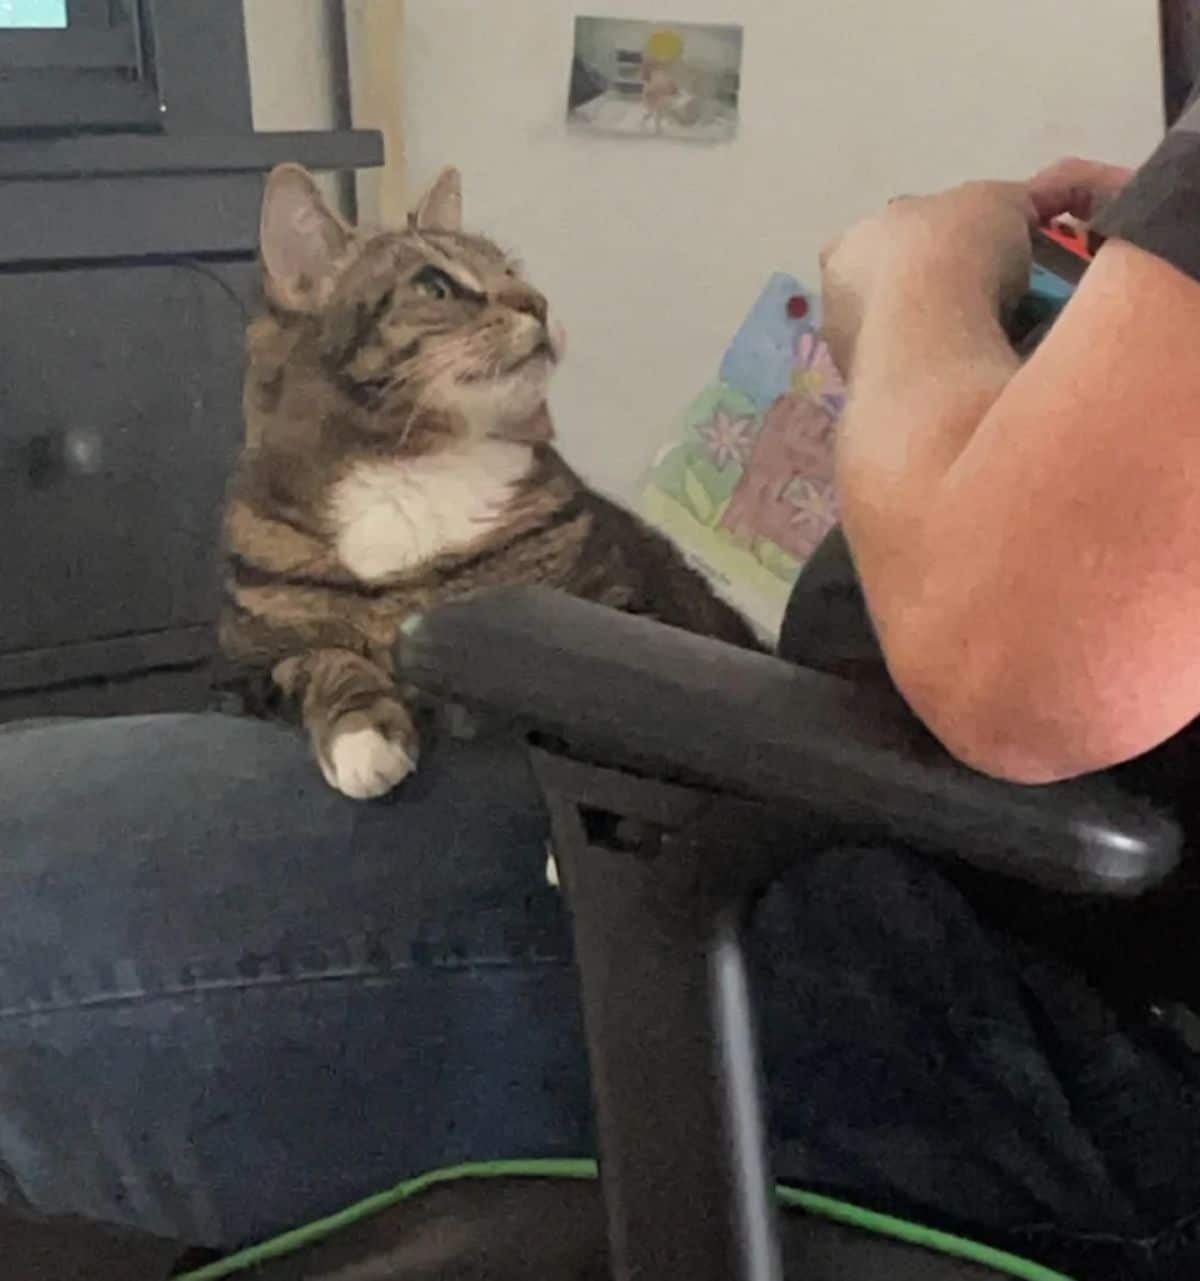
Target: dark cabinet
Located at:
point(127, 269)
point(115, 437)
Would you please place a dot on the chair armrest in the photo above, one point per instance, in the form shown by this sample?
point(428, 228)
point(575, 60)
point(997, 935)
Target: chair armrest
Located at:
point(633, 694)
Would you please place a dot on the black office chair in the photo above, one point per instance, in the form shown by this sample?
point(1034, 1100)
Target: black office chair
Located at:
point(682, 777)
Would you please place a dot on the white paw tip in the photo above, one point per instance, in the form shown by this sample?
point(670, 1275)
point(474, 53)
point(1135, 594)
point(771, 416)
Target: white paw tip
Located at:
point(551, 868)
point(364, 764)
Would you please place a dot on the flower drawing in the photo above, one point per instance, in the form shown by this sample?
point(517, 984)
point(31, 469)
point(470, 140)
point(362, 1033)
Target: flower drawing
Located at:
point(814, 509)
point(728, 438)
point(815, 374)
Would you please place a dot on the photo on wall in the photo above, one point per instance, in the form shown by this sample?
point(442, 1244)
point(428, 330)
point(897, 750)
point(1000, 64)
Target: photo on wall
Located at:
point(647, 79)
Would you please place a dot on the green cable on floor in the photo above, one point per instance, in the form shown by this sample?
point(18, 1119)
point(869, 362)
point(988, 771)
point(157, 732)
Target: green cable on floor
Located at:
point(850, 1216)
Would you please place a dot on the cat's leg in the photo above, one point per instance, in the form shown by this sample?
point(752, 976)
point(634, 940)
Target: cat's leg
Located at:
point(363, 736)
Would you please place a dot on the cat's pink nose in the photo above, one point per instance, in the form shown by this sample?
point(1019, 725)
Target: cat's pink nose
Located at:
point(558, 339)
point(520, 297)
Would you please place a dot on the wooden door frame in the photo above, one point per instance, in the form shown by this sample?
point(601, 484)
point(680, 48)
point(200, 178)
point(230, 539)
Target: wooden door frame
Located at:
point(375, 42)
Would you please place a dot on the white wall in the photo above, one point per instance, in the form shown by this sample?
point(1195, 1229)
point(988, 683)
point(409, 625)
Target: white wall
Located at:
point(291, 65)
point(292, 86)
point(651, 251)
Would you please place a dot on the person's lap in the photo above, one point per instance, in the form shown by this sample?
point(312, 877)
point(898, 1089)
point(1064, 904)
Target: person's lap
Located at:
point(231, 1000)
point(950, 1072)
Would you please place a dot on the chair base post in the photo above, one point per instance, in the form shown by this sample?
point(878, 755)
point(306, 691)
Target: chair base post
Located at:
point(659, 879)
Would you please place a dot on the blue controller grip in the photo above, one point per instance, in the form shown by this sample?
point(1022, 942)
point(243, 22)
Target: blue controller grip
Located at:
point(1048, 289)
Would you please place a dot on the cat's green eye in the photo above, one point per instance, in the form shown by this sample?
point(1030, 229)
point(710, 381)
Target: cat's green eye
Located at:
point(434, 283)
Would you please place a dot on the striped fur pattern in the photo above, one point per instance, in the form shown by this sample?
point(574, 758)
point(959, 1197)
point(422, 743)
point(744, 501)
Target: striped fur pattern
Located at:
point(398, 455)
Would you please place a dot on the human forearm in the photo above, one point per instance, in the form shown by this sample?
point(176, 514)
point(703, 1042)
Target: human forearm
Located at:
point(930, 361)
point(1025, 537)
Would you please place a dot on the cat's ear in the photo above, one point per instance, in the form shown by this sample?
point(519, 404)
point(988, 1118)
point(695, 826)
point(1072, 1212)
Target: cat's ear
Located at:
point(441, 207)
point(303, 242)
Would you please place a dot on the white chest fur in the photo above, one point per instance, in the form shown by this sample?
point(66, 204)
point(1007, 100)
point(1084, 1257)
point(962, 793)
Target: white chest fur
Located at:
point(392, 517)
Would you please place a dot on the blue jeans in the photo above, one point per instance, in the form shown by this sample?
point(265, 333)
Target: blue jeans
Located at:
point(231, 1001)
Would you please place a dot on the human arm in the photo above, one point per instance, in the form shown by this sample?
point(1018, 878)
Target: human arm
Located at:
point(1023, 535)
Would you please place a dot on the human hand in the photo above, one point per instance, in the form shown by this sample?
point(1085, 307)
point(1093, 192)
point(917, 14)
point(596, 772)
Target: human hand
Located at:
point(1077, 187)
point(969, 243)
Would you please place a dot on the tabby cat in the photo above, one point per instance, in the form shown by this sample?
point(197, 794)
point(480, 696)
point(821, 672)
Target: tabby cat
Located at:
point(398, 454)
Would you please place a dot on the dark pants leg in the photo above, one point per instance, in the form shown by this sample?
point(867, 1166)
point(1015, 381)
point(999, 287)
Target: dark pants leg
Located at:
point(928, 1064)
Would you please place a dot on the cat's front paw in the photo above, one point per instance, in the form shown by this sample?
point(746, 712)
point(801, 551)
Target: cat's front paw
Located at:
point(365, 759)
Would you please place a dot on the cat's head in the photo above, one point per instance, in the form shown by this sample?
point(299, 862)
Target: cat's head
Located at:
point(427, 320)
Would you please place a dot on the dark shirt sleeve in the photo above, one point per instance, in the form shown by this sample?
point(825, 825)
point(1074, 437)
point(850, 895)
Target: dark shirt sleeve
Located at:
point(1159, 210)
